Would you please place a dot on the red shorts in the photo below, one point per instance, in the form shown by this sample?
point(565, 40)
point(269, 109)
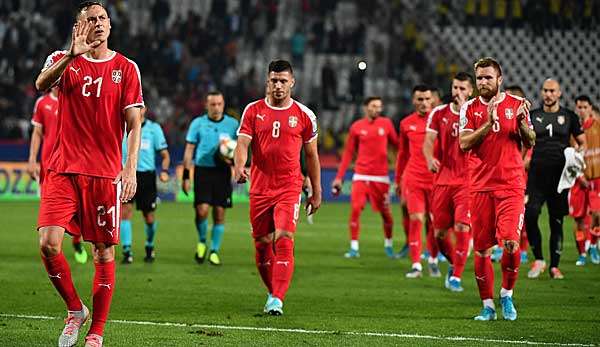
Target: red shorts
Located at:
point(582, 201)
point(496, 215)
point(450, 205)
point(376, 192)
point(83, 205)
point(270, 213)
point(418, 199)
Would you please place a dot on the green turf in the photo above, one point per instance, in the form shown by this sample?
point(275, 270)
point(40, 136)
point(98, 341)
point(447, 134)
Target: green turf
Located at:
point(328, 292)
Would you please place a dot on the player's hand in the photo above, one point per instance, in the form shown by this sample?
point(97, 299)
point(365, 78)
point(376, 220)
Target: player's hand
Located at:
point(336, 187)
point(164, 176)
point(241, 174)
point(433, 165)
point(523, 110)
point(33, 169)
point(128, 184)
point(313, 203)
point(493, 110)
point(398, 190)
point(186, 186)
point(306, 186)
point(584, 182)
point(79, 44)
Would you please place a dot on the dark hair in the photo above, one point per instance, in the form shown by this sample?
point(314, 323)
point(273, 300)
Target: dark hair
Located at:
point(280, 66)
point(488, 62)
point(420, 88)
point(584, 98)
point(515, 89)
point(595, 108)
point(434, 90)
point(84, 5)
point(371, 98)
point(464, 76)
point(213, 93)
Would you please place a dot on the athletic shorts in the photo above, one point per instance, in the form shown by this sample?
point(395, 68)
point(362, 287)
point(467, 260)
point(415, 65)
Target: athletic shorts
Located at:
point(212, 185)
point(145, 195)
point(496, 215)
point(541, 188)
point(270, 213)
point(418, 199)
point(377, 193)
point(582, 201)
point(449, 206)
point(83, 205)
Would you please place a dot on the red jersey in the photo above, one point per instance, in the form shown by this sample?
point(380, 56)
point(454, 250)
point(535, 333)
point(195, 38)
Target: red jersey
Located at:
point(411, 163)
point(45, 116)
point(93, 97)
point(500, 165)
point(454, 170)
point(278, 134)
point(370, 139)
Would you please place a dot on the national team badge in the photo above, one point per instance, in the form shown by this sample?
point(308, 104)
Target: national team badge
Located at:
point(116, 76)
point(508, 113)
point(560, 120)
point(381, 132)
point(293, 121)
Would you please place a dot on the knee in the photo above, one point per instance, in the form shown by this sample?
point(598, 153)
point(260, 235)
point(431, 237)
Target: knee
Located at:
point(440, 234)
point(49, 248)
point(149, 217)
point(417, 216)
point(201, 212)
point(462, 228)
point(484, 253)
point(263, 240)
point(103, 254)
point(283, 234)
point(511, 246)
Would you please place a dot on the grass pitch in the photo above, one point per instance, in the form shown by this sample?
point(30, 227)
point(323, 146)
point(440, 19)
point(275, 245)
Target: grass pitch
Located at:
point(332, 300)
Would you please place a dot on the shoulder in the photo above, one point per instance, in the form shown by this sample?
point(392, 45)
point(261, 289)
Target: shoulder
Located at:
point(536, 111)
point(512, 99)
point(198, 120)
point(305, 110)
point(252, 106)
point(469, 104)
point(53, 57)
point(438, 110)
point(231, 120)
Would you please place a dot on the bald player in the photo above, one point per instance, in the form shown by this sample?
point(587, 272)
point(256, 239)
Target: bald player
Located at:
point(554, 125)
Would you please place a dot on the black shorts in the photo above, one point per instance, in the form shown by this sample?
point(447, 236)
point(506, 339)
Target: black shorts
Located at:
point(212, 185)
point(541, 188)
point(145, 195)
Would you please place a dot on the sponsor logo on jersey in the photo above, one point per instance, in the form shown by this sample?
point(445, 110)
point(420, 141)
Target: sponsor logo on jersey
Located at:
point(76, 71)
point(381, 132)
point(116, 76)
point(509, 114)
point(560, 119)
point(293, 121)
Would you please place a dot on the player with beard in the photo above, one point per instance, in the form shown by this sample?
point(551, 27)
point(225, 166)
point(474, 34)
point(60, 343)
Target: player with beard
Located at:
point(554, 126)
point(494, 127)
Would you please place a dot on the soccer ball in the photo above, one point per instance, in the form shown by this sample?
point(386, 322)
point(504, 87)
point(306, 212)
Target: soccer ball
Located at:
point(227, 147)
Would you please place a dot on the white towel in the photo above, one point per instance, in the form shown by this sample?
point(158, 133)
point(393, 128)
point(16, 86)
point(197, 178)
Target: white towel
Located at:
point(574, 166)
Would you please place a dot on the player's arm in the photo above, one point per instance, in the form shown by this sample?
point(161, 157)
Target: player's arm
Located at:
point(347, 157)
point(469, 137)
point(432, 163)
point(525, 129)
point(188, 156)
point(240, 157)
point(313, 169)
point(34, 148)
point(401, 158)
point(164, 165)
point(133, 118)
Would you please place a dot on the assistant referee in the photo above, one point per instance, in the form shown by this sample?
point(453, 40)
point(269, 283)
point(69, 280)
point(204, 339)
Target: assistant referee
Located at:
point(554, 125)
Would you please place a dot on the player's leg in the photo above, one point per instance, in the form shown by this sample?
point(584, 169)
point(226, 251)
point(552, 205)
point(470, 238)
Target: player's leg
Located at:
point(358, 200)
point(146, 196)
point(462, 236)
point(150, 228)
point(216, 235)
point(80, 252)
point(441, 219)
point(405, 227)
point(578, 209)
point(484, 238)
point(558, 207)
point(103, 287)
point(415, 199)
point(533, 208)
point(380, 202)
point(263, 227)
point(594, 230)
point(126, 232)
point(203, 192)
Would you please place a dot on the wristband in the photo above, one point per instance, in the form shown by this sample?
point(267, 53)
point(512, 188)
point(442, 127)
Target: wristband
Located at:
point(186, 174)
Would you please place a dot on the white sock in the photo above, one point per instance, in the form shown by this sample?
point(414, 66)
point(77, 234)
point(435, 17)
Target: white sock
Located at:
point(354, 245)
point(417, 266)
point(387, 243)
point(432, 260)
point(505, 292)
point(489, 303)
point(454, 278)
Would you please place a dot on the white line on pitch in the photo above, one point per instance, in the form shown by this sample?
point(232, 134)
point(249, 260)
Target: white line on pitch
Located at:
point(317, 332)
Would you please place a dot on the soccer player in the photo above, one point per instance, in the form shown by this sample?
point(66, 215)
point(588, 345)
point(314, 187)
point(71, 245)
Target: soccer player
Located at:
point(370, 138)
point(45, 117)
point(275, 129)
point(153, 141)
point(413, 178)
point(450, 195)
point(494, 127)
point(554, 126)
point(584, 199)
point(100, 94)
point(212, 173)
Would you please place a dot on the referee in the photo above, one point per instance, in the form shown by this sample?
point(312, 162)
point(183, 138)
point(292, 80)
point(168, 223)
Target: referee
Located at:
point(554, 125)
point(212, 175)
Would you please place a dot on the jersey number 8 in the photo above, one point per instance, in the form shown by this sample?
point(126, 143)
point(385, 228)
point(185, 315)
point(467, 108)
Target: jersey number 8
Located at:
point(276, 127)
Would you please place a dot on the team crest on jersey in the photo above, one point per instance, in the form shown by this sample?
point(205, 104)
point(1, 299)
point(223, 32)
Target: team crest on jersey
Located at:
point(381, 132)
point(508, 113)
point(293, 121)
point(560, 119)
point(116, 76)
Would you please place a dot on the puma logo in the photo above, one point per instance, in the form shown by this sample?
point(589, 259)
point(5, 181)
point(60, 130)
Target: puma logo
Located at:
point(75, 70)
point(482, 278)
point(260, 116)
point(55, 276)
point(107, 285)
point(478, 114)
point(283, 263)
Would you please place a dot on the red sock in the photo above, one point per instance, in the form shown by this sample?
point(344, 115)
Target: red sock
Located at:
point(104, 285)
point(594, 235)
point(388, 223)
point(414, 239)
point(76, 239)
point(460, 252)
point(580, 241)
point(60, 275)
point(264, 262)
point(510, 269)
point(484, 274)
point(445, 246)
point(283, 267)
point(355, 224)
point(432, 246)
point(524, 243)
